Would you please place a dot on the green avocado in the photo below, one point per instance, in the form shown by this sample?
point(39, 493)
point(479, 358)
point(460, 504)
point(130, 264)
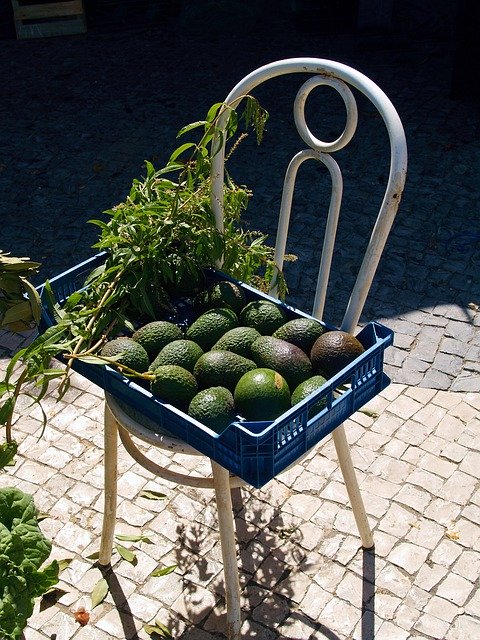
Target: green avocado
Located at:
point(213, 407)
point(210, 326)
point(290, 361)
point(221, 368)
point(127, 352)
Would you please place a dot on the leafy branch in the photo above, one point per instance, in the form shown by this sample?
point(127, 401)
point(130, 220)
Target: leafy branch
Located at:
point(157, 244)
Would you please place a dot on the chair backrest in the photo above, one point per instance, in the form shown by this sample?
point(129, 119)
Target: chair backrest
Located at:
point(338, 76)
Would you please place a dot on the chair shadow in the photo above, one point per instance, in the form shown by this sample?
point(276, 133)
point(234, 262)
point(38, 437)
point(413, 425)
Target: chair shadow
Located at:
point(368, 595)
point(120, 601)
point(258, 589)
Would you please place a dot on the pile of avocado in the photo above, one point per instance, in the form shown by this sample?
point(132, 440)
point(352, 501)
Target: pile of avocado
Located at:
point(236, 358)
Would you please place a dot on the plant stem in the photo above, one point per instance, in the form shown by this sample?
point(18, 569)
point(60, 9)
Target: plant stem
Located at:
point(16, 393)
point(89, 326)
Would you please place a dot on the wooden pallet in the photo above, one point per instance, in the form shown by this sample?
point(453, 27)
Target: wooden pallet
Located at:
point(45, 19)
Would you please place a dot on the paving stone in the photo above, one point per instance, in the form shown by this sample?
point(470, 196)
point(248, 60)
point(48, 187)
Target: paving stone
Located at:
point(435, 465)
point(468, 565)
point(389, 631)
point(454, 347)
point(431, 626)
point(296, 626)
point(424, 396)
point(274, 608)
point(472, 607)
point(315, 600)
point(442, 609)
point(406, 617)
point(62, 626)
point(408, 556)
point(426, 348)
point(446, 553)
point(413, 497)
point(472, 513)
point(462, 331)
point(464, 626)
point(339, 617)
point(425, 533)
point(384, 543)
point(435, 379)
point(350, 589)
point(447, 400)
point(327, 575)
point(454, 452)
point(458, 488)
point(455, 589)
point(469, 533)
point(390, 469)
point(194, 604)
point(394, 580)
point(430, 575)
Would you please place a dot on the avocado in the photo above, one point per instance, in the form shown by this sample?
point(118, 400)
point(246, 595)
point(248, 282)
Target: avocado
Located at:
point(174, 384)
point(155, 335)
point(239, 340)
point(263, 315)
point(333, 351)
point(131, 353)
point(210, 327)
point(221, 368)
point(182, 352)
point(302, 332)
point(262, 394)
point(213, 407)
point(221, 294)
point(307, 387)
point(281, 356)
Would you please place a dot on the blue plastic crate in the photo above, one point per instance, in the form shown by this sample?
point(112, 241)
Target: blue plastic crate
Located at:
point(254, 451)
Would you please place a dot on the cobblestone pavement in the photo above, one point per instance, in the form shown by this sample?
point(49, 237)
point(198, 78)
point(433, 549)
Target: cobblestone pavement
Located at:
point(303, 573)
point(81, 114)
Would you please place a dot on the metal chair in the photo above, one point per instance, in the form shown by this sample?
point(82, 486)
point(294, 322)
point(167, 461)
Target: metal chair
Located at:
point(338, 76)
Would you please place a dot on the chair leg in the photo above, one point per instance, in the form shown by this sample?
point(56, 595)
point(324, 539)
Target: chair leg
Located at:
point(229, 550)
point(110, 489)
point(353, 490)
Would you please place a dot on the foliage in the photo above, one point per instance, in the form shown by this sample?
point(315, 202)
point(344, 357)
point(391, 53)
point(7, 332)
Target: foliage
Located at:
point(157, 241)
point(20, 305)
point(23, 550)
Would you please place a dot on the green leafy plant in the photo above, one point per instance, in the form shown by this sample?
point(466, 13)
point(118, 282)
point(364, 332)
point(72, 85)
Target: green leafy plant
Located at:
point(20, 305)
point(157, 242)
point(23, 550)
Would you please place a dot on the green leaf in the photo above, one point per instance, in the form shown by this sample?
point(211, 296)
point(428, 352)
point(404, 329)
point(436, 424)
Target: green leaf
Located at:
point(64, 563)
point(128, 538)
point(126, 554)
point(180, 150)
point(158, 629)
point(94, 556)
point(192, 125)
point(163, 571)
point(42, 515)
point(7, 453)
point(152, 495)
point(23, 550)
point(34, 299)
point(19, 312)
point(132, 538)
point(99, 592)
point(6, 410)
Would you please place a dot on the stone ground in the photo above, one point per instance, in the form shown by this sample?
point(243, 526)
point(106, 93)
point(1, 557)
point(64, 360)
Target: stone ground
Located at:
point(302, 570)
point(79, 116)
